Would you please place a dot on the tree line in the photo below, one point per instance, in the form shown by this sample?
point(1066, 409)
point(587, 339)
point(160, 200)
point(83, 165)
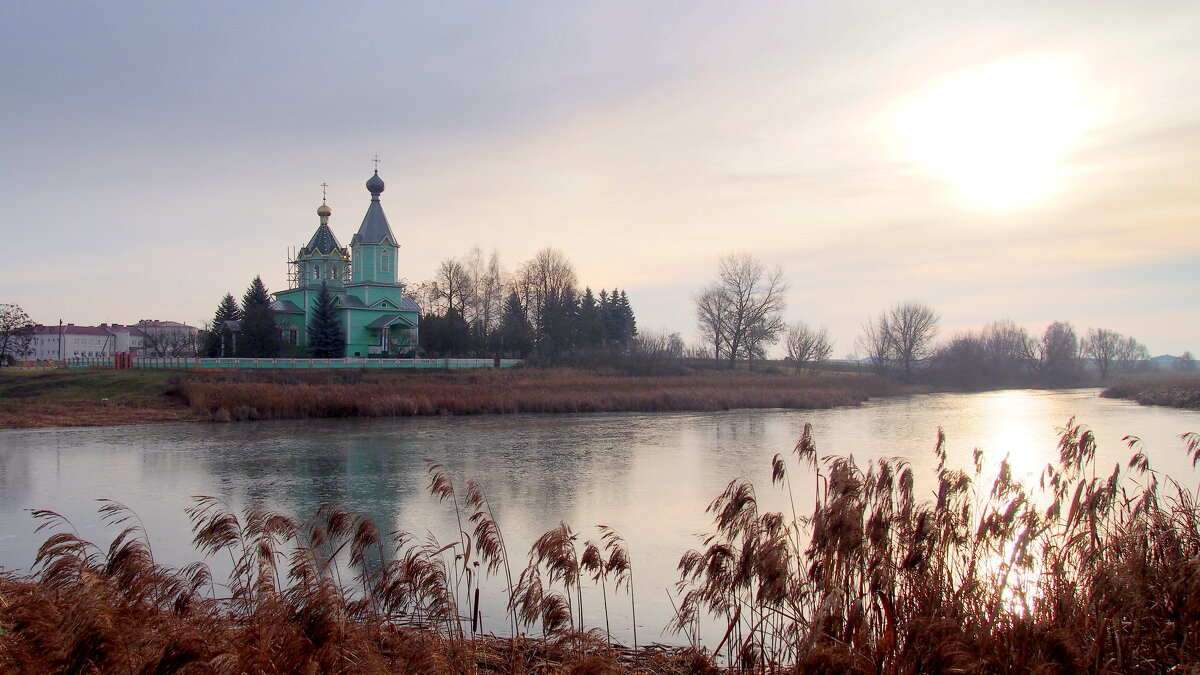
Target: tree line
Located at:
point(740, 313)
point(245, 330)
point(473, 307)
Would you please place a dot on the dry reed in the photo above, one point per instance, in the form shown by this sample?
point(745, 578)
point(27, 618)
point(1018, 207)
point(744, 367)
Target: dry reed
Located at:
point(247, 396)
point(1176, 391)
point(1090, 571)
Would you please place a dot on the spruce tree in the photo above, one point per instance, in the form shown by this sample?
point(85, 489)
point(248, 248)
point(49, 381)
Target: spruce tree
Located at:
point(260, 335)
point(218, 334)
point(619, 324)
point(514, 335)
point(628, 322)
point(556, 324)
point(589, 328)
point(325, 337)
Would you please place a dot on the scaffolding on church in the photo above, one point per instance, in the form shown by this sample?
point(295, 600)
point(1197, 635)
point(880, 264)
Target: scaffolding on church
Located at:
point(293, 268)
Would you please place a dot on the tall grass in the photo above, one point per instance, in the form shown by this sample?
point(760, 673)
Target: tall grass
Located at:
point(1176, 391)
point(332, 594)
point(1087, 571)
point(250, 397)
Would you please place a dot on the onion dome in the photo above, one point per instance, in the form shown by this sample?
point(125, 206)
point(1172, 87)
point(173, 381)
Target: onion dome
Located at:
point(374, 228)
point(375, 185)
point(324, 211)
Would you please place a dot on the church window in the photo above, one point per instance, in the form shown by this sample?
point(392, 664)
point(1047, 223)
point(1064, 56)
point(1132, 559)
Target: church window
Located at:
point(316, 271)
point(383, 261)
point(333, 272)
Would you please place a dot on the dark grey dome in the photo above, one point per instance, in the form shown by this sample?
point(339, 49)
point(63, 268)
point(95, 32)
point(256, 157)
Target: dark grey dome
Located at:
point(375, 184)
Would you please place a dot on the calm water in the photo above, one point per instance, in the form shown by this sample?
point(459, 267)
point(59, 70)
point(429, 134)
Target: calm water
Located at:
point(650, 476)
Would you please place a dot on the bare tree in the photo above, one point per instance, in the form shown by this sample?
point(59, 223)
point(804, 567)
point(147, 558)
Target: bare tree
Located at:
point(169, 338)
point(1055, 358)
point(874, 343)
point(487, 286)
point(911, 329)
point(1186, 363)
point(741, 312)
point(1006, 344)
point(1132, 355)
point(1103, 347)
point(710, 317)
point(548, 274)
point(16, 333)
point(807, 345)
point(452, 287)
point(162, 343)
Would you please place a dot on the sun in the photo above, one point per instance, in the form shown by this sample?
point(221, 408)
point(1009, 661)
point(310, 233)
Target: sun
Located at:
point(999, 133)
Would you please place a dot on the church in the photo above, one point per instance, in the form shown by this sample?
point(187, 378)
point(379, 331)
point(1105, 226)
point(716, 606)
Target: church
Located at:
point(377, 319)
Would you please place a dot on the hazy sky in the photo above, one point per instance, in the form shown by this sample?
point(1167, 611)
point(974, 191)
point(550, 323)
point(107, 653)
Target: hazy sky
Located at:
point(1035, 161)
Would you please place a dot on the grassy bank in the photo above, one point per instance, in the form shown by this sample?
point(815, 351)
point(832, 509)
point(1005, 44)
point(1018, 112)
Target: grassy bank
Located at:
point(253, 395)
point(36, 398)
point(53, 398)
point(1089, 574)
point(1176, 391)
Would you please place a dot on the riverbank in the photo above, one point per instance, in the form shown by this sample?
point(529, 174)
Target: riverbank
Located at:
point(48, 398)
point(1176, 391)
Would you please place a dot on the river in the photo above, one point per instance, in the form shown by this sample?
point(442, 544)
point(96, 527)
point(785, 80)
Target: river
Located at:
point(649, 476)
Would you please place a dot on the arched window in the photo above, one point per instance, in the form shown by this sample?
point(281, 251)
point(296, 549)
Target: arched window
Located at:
point(383, 261)
point(332, 272)
point(316, 271)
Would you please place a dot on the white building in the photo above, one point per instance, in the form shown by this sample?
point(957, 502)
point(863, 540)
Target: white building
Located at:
point(58, 343)
point(148, 338)
point(168, 338)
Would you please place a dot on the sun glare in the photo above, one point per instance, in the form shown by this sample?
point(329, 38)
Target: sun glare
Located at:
point(999, 133)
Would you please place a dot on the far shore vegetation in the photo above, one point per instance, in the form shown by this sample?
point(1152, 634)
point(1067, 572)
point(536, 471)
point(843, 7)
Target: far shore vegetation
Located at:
point(51, 397)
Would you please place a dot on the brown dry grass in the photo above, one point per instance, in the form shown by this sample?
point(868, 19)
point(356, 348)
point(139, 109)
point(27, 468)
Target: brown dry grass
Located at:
point(1088, 573)
point(29, 413)
point(1085, 572)
point(330, 595)
point(525, 391)
point(1176, 391)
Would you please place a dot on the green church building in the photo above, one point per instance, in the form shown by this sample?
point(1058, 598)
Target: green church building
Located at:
point(378, 320)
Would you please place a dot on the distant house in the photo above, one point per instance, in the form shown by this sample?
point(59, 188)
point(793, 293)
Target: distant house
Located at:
point(68, 341)
point(169, 338)
point(1165, 362)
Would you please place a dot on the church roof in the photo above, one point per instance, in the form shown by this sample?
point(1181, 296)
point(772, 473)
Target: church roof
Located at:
point(323, 242)
point(390, 320)
point(286, 307)
point(374, 226)
point(347, 300)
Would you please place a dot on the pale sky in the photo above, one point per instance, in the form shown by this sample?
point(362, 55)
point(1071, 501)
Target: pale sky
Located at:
point(1034, 161)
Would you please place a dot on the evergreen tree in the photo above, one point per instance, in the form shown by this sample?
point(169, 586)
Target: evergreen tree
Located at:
point(326, 340)
point(589, 328)
point(260, 335)
point(616, 315)
point(218, 334)
point(627, 321)
point(444, 336)
point(556, 324)
point(514, 336)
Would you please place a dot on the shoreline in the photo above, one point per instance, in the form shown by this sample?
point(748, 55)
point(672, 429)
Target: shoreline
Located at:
point(103, 398)
point(61, 400)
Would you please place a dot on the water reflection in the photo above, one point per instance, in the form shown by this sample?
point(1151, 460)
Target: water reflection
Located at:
point(648, 476)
